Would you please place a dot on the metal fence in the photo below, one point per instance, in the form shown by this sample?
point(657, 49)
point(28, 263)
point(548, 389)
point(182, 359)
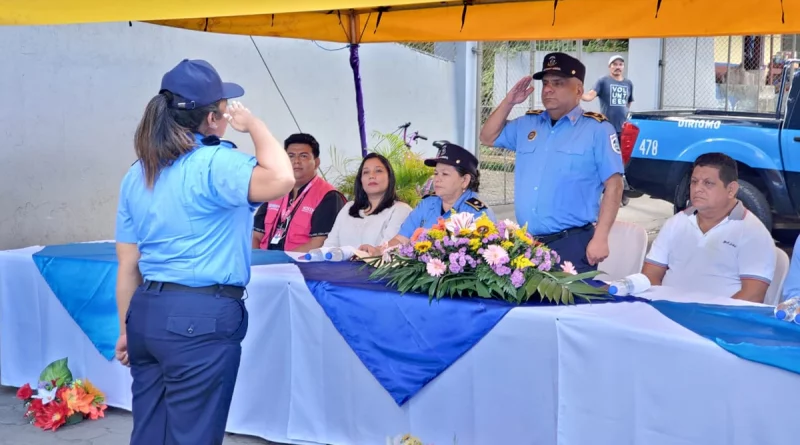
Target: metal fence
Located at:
point(503, 64)
point(733, 73)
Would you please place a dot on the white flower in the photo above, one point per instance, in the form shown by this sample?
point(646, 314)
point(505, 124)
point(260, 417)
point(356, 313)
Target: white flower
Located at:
point(510, 225)
point(463, 220)
point(387, 252)
point(45, 395)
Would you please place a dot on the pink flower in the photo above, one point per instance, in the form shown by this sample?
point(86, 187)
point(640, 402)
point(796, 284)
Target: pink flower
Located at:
point(460, 221)
point(569, 268)
point(436, 267)
point(495, 255)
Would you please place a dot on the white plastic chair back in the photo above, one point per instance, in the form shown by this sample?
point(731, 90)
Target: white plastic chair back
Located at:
point(775, 289)
point(627, 247)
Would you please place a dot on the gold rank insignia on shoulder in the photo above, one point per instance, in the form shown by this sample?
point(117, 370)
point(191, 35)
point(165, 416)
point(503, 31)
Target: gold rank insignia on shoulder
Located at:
point(429, 195)
point(596, 116)
point(475, 203)
point(534, 112)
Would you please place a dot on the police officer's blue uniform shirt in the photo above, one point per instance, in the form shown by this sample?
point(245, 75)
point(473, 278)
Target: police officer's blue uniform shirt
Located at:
point(560, 169)
point(195, 226)
point(429, 209)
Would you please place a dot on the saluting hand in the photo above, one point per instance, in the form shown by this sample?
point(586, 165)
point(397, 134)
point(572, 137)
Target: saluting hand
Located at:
point(520, 91)
point(238, 116)
point(597, 250)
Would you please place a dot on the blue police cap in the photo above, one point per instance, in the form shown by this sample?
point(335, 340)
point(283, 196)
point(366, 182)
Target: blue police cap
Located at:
point(452, 154)
point(197, 84)
point(562, 65)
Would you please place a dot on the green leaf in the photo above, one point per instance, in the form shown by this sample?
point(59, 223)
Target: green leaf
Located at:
point(532, 284)
point(579, 287)
point(571, 278)
point(565, 295)
point(58, 371)
point(543, 288)
point(554, 292)
point(73, 419)
point(432, 287)
point(483, 291)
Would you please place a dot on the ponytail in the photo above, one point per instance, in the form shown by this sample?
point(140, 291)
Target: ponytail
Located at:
point(164, 134)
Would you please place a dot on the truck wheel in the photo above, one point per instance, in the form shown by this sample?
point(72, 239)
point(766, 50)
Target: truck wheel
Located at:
point(755, 201)
point(681, 200)
point(752, 198)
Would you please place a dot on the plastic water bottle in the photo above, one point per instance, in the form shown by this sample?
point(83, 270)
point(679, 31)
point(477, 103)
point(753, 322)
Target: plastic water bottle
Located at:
point(632, 284)
point(788, 310)
point(315, 255)
point(343, 253)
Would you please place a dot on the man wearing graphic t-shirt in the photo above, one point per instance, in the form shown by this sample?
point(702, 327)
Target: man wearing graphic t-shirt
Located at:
point(616, 96)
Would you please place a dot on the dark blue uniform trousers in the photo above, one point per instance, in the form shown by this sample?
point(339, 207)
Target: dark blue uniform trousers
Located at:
point(573, 248)
point(184, 350)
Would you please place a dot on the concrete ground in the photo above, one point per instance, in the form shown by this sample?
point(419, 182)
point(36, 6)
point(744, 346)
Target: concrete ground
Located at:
point(115, 428)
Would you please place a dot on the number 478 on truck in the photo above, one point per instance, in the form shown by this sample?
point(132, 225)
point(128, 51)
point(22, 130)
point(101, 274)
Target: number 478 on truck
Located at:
point(659, 147)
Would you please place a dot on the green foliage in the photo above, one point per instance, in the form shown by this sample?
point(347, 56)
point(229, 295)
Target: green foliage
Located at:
point(410, 172)
point(57, 371)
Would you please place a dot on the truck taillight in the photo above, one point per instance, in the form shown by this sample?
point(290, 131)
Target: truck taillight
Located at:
point(628, 140)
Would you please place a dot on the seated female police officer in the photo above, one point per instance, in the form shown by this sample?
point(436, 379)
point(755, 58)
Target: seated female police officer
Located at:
point(455, 183)
point(183, 235)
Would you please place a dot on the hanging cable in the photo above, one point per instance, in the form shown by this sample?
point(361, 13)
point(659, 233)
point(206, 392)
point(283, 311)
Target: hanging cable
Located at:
point(330, 49)
point(275, 83)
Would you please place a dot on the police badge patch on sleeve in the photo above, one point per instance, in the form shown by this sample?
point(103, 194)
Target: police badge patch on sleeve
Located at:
point(615, 144)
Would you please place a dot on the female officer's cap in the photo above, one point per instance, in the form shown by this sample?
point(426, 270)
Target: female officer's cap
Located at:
point(452, 154)
point(197, 84)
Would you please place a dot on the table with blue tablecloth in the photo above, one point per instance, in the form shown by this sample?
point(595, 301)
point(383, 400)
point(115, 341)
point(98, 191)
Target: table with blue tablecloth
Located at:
point(599, 374)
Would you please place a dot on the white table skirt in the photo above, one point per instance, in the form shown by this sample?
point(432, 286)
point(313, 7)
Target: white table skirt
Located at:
point(601, 375)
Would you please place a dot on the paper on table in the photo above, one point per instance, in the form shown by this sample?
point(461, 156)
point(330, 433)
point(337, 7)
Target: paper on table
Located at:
point(360, 255)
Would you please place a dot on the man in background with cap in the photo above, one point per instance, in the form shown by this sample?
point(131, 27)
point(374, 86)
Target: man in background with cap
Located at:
point(615, 93)
point(616, 96)
point(565, 159)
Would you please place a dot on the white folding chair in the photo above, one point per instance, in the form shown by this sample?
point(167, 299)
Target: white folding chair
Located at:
point(775, 289)
point(627, 247)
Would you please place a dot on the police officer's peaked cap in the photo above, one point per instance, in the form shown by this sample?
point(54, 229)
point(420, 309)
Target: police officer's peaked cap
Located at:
point(197, 84)
point(562, 65)
point(452, 154)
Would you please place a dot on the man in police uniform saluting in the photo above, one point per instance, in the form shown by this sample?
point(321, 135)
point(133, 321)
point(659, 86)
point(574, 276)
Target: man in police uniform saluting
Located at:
point(566, 159)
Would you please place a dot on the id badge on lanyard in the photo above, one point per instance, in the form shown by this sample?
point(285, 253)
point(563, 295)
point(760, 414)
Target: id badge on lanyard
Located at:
point(286, 213)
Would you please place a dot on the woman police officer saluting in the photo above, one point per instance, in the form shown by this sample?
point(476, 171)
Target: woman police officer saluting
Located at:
point(183, 234)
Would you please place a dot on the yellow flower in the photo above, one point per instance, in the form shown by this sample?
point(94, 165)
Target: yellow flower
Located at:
point(423, 246)
point(521, 262)
point(523, 236)
point(507, 245)
point(474, 244)
point(484, 225)
point(465, 232)
point(91, 389)
point(436, 234)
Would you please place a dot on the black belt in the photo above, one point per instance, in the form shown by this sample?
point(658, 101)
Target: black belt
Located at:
point(223, 290)
point(547, 239)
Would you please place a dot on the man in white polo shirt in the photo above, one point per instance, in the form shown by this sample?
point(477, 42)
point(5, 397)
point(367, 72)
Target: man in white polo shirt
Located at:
point(716, 246)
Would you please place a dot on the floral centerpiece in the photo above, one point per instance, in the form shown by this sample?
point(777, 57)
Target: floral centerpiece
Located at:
point(465, 256)
point(59, 400)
